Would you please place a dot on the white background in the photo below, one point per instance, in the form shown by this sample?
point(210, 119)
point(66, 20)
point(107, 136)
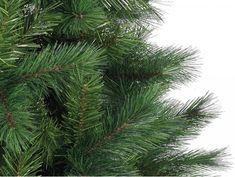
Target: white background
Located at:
point(209, 26)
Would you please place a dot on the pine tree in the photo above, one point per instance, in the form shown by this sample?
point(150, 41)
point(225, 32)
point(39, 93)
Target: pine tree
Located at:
point(82, 92)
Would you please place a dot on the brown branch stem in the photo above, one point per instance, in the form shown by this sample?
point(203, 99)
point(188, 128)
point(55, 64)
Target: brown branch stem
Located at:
point(8, 114)
point(57, 68)
point(108, 137)
point(83, 96)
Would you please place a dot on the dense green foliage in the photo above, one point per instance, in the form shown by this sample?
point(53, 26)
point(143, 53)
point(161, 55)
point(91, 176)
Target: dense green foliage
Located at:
point(82, 92)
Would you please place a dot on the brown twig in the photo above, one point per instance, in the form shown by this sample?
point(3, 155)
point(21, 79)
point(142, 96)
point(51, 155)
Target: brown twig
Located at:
point(8, 114)
point(57, 68)
point(108, 137)
point(82, 105)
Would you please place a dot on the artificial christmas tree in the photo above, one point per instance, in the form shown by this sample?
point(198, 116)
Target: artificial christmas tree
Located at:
point(82, 92)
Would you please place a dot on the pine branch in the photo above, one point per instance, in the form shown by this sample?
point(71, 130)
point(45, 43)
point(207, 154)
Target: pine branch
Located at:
point(114, 128)
point(16, 125)
point(197, 114)
point(123, 41)
point(129, 129)
point(95, 107)
point(39, 20)
point(47, 140)
point(84, 106)
point(200, 108)
point(168, 66)
point(138, 11)
point(21, 23)
point(191, 118)
point(53, 66)
point(27, 163)
point(83, 16)
point(11, 22)
point(178, 163)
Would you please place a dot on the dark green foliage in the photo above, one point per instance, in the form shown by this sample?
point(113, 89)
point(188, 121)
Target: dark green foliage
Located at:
point(47, 132)
point(22, 164)
point(178, 163)
point(52, 67)
point(131, 10)
point(82, 92)
point(22, 26)
point(81, 17)
point(167, 66)
point(17, 124)
point(84, 106)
